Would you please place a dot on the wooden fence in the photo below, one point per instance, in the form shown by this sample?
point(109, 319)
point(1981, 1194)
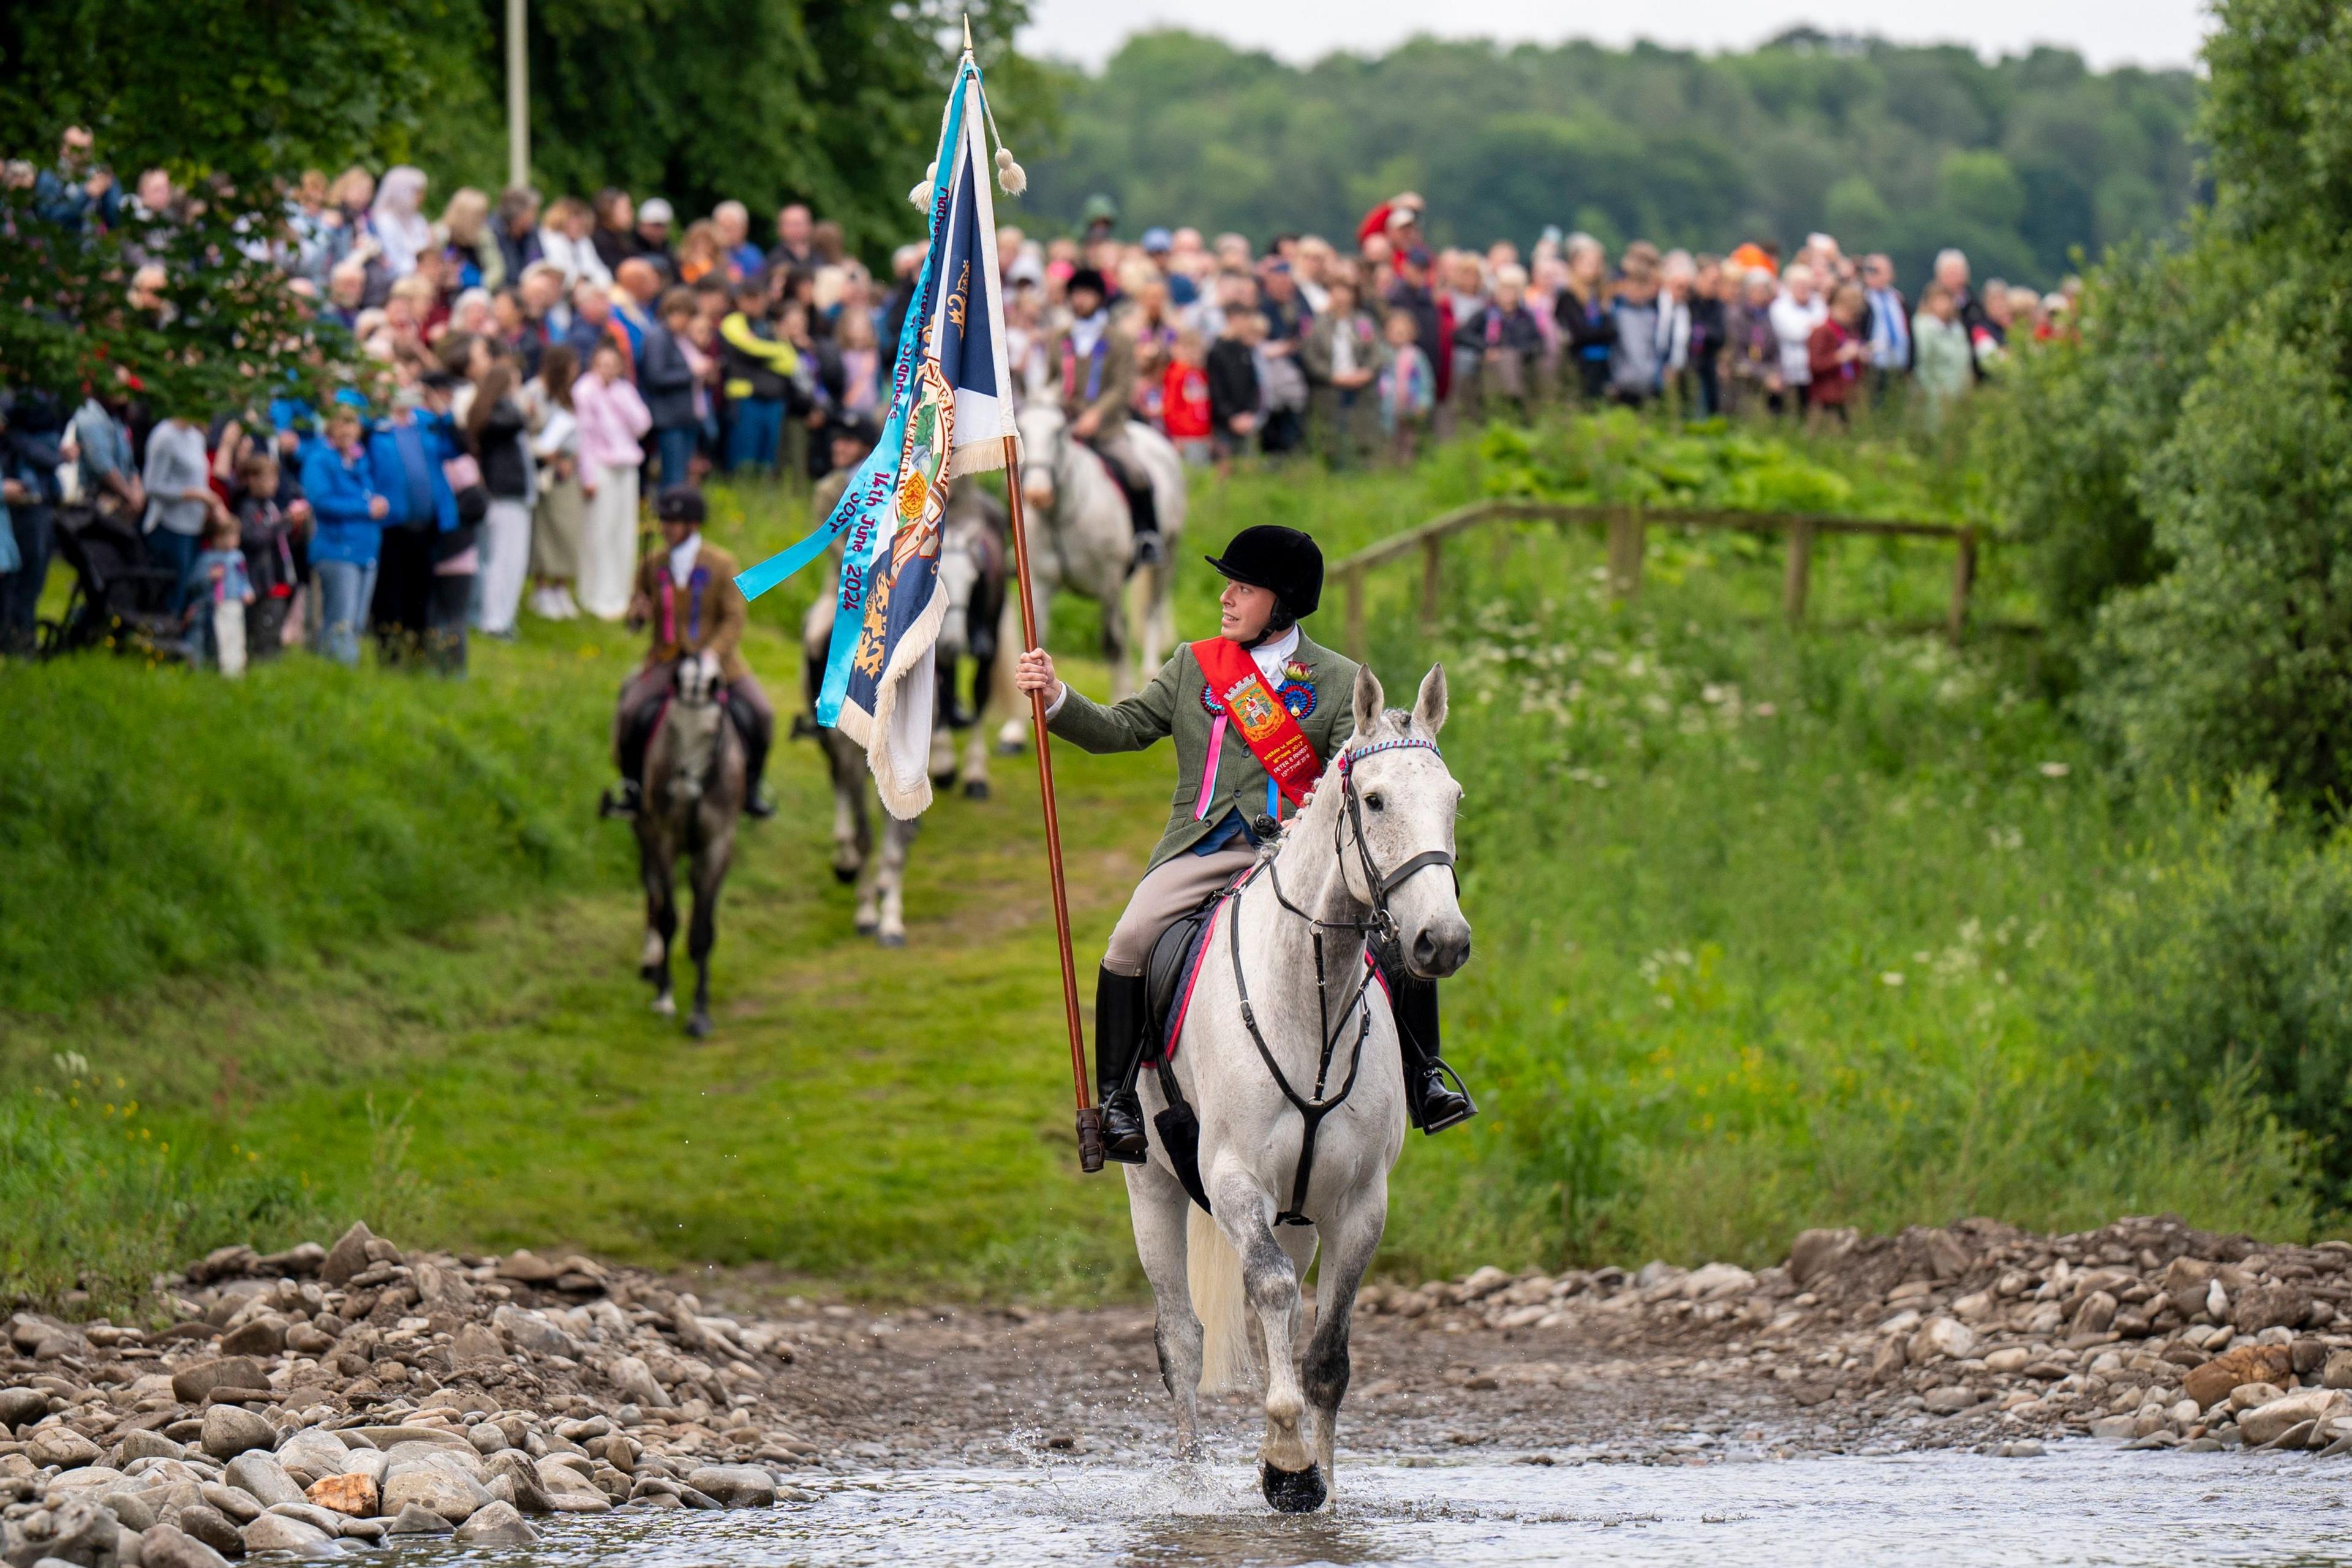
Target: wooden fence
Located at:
point(1627, 529)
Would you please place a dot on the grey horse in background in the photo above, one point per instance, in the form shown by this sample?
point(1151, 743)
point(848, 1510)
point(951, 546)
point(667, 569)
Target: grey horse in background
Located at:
point(975, 544)
point(972, 570)
point(693, 798)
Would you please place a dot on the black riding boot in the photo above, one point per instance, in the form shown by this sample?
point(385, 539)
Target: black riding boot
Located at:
point(1433, 1103)
point(629, 797)
point(757, 738)
point(1143, 511)
point(1119, 1010)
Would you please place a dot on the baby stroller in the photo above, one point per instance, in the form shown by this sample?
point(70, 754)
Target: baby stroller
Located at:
point(120, 600)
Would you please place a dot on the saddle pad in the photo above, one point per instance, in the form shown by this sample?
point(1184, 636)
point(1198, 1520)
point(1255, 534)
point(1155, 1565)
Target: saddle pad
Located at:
point(1174, 969)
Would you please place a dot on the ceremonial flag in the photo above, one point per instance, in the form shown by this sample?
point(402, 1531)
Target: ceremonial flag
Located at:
point(951, 415)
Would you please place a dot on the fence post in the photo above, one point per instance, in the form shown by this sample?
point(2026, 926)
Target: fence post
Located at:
point(1433, 564)
point(1964, 577)
point(1356, 614)
point(1625, 530)
point(1797, 579)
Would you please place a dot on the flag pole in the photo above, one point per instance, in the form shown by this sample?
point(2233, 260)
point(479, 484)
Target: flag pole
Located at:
point(1090, 1132)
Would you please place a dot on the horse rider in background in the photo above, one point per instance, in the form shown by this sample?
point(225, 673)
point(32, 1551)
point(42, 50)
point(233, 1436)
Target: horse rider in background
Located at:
point(1227, 802)
point(687, 590)
point(1096, 360)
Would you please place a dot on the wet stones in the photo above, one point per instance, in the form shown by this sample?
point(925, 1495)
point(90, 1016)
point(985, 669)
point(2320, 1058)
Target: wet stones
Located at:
point(229, 1431)
point(735, 1485)
point(190, 1384)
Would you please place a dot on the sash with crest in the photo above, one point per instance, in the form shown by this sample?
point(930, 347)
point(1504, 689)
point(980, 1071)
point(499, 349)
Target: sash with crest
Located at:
point(1240, 699)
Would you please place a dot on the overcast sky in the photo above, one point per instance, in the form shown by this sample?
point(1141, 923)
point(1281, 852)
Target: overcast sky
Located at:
point(2106, 32)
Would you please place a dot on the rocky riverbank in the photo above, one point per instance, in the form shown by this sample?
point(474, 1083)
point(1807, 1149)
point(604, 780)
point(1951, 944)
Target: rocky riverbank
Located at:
point(362, 1392)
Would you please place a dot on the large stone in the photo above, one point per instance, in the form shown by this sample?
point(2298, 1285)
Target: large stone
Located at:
point(261, 1475)
point(2263, 1307)
point(736, 1486)
point(212, 1527)
point(441, 1292)
point(22, 1406)
point(474, 1344)
point(168, 1546)
point(133, 1508)
point(1940, 1401)
point(275, 1533)
point(242, 1507)
point(309, 1454)
point(1714, 1280)
point(569, 1492)
point(461, 1457)
point(1815, 1253)
point(525, 1267)
point(633, 1377)
point(514, 1466)
point(2211, 1382)
point(1942, 1337)
point(347, 1256)
point(230, 1431)
point(318, 1518)
point(138, 1446)
point(531, 1331)
point(2338, 1369)
point(418, 1520)
point(447, 1492)
point(2266, 1422)
point(62, 1446)
point(496, 1525)
point(191, 1383)
point(261, 1336)
point(357, 1496)
point(2094, 1316)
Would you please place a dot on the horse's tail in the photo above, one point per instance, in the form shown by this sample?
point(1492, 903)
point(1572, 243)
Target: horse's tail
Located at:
point(1213, 1271)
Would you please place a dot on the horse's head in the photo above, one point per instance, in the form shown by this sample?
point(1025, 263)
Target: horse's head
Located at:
point(693, 722)
point(695, 683)
point(1043, 431)
point(1399, 804)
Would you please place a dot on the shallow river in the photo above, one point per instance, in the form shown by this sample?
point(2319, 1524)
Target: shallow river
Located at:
point(2080, 1503)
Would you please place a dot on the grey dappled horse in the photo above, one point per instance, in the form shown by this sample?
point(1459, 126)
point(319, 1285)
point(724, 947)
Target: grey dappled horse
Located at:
point(1080, 539)
point(693, 798)
point(1375, 844)
point(971, 575)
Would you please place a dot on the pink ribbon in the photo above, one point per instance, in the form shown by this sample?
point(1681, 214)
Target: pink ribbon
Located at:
point(1209, 769)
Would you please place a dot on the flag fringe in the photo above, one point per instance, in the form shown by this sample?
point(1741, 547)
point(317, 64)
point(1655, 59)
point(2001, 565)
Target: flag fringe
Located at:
point(901, 799)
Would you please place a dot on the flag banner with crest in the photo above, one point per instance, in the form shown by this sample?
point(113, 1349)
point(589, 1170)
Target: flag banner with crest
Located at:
point(951, 412)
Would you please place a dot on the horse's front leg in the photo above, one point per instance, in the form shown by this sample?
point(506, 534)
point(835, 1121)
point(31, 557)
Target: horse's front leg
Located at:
point(1158, 1208)
point(890, 882)
point(1015, 732)
point(1349, 1240)
point(702, 935)
point(1287, 1474)
point(1118, 644)
point(991, 694)
point(851, 837)
point(661, 915)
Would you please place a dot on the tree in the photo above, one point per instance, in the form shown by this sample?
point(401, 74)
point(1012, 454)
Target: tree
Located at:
point(206, 90)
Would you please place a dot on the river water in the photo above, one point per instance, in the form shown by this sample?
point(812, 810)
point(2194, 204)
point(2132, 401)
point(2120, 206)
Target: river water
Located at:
point(2080, 1503)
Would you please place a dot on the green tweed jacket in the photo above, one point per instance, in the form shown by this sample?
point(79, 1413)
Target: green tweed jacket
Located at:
point(1172, 705)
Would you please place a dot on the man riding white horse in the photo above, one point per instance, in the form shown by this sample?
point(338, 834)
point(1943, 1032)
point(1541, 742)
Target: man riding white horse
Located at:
point(687, 590)
point(1094, 358)
point(1255, 712)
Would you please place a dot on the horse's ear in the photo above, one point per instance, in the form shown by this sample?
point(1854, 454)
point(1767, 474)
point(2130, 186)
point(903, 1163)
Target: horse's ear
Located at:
point(1429, 707)
point(1369, 698)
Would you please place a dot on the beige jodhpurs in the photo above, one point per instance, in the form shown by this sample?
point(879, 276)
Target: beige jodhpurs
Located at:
point(1172, 888)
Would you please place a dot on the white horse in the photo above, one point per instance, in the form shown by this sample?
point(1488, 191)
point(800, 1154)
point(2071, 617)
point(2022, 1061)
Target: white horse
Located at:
point(1372, 849)
point(1081, 538)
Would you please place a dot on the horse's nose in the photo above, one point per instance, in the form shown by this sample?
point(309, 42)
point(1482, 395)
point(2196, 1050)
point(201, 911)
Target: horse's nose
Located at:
point(1040, 494)
point(1440, 949)
point(951, 633)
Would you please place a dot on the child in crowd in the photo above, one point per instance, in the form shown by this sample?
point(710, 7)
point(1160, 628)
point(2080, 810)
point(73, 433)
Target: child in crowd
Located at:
point(217, 593)
point(1236, 396)
point(1408, 386)
point(1184, 398)
point(266, 531)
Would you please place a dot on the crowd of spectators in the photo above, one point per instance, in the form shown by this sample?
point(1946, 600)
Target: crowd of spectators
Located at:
point(535, 370)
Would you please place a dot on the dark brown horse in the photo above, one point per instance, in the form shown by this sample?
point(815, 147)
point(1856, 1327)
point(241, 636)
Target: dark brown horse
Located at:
point(693, 798)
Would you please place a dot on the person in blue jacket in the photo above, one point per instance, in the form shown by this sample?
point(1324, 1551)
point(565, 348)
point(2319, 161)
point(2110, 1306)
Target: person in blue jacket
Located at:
point(348, 530)
point(405, 451)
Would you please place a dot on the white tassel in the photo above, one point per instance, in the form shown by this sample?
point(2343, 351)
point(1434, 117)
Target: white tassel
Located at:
point(921, 194)
point(1010, 177)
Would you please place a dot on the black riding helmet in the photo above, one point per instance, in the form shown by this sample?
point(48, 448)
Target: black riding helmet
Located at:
point(1283, 560)
point(681, 503)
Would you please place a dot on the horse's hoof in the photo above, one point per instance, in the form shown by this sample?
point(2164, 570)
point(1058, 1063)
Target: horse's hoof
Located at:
point(1293, 1491)
point(893, 938)
point(845, 875)
point(698, 1025)
point(1008, 748)
point(666, 1006)
point(866, 926)
point(975, 789)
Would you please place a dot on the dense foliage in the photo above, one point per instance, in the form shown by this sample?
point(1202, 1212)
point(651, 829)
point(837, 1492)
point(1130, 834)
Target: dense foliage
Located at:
point(761, 100)
point(2182, 468)
point(1887, 147)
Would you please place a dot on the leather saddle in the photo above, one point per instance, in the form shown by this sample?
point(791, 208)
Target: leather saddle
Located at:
point(1169, 974)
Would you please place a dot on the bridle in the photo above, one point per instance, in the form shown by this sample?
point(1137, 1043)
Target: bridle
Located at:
point(1377, 926)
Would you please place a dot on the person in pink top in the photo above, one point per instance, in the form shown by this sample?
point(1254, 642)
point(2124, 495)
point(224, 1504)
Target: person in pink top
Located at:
point(613, 419)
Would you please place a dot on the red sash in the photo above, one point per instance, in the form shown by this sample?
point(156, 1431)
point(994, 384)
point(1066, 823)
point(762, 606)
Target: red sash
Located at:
point(1273, 735)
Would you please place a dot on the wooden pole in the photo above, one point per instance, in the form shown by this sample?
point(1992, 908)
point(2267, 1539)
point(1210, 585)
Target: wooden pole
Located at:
point(1356, 613)
point(1625, 542)
point(1964, 577)
point(1090, 1133)
point(1433, 566)
point(1798, 578)
point(518, 99)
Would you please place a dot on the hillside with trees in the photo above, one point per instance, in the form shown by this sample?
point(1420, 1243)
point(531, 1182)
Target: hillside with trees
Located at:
point(2019, 160)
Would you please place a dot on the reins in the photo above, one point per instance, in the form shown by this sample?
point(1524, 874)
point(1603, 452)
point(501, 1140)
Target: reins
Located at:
point(1377, 925)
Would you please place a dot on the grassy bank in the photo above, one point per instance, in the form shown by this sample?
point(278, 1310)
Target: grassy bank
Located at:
point(1771, 931)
